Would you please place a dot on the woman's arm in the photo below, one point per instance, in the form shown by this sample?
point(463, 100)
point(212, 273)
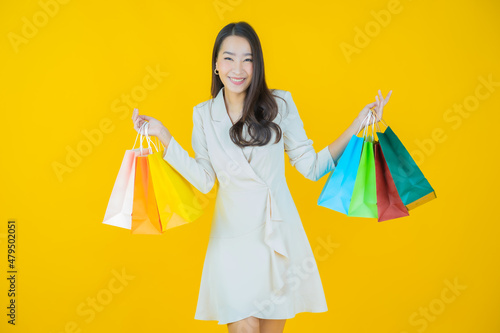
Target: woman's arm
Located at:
point(198, 170)
point(338, 146)
point(299, 148)
point(164, 136)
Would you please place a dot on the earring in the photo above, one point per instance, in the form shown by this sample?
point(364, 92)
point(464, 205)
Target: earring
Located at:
point(216, 71)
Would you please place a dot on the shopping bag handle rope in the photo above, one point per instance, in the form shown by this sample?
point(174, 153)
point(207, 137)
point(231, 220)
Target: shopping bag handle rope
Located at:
point(365, 130)
point(148, 139)
point(380, 119)
point(363, 122)
point(140, 129)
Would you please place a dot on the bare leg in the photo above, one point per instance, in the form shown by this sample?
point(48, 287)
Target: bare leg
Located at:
point(272, 325)
point(247, 325)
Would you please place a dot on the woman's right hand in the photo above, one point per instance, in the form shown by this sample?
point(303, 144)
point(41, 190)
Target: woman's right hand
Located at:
point(377, 107)
point(155, 127)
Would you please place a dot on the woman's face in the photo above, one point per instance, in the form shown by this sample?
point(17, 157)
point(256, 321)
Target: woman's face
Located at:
point(235, 64)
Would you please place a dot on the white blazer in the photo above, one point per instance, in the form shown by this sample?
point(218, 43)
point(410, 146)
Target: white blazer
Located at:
point(251, 193)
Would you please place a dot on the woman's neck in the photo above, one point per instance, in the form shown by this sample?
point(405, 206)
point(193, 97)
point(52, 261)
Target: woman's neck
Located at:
point(234, 102)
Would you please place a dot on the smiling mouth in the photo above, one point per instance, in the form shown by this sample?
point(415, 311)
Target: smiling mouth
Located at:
point(236, 80)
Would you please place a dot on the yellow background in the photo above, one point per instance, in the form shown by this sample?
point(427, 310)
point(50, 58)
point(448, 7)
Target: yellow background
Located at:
point(70, 75)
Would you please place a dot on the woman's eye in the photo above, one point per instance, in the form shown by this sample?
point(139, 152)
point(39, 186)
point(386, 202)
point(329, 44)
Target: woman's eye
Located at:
point(227, 58)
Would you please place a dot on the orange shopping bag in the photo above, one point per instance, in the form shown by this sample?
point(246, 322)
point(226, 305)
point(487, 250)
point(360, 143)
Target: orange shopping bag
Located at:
point(145, 216)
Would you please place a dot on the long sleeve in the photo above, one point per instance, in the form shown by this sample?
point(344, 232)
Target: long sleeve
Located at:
point(198, 170)
point(299, 147)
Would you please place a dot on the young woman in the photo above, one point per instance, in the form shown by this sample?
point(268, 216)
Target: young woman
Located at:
point(259, 268)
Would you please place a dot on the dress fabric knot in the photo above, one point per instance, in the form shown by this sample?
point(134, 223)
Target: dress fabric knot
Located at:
point(274, 240)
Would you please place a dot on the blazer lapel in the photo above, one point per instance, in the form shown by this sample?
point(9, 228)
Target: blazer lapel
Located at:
point(222, 124)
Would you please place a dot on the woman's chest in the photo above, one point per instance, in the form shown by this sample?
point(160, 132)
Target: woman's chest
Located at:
point(228, 158)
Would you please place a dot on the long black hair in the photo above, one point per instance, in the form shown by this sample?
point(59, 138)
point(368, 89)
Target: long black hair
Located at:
point(259, 107)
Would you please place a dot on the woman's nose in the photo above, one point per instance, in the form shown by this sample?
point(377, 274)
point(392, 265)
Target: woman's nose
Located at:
point(237, 67)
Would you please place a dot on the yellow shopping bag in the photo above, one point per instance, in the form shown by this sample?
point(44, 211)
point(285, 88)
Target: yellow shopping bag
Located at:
point(178, 201)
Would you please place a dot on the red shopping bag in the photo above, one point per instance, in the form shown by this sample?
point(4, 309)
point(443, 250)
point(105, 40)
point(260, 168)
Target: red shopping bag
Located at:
point(389, 204)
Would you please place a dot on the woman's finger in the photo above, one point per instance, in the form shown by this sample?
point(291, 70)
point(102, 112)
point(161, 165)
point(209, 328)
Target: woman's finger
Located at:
point(388, 96)
point(383, 101)
point(380, 105)
point(379, 109)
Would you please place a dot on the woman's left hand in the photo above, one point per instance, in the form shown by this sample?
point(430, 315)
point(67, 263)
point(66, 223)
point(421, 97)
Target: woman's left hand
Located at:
point(378, 107)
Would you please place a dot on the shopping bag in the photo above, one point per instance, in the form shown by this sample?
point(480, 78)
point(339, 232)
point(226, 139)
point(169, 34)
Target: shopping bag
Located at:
point(119, 209)
point(364, 194)
point(145, 216)
point(389, 204)
point(413, 188)
point(176, 198)
point(337, 191)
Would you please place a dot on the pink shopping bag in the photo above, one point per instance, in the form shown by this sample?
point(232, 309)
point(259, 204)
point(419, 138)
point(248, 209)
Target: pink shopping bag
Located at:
point(119, 209)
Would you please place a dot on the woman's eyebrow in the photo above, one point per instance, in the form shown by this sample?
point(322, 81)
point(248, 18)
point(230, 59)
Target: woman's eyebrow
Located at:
point(231, 53)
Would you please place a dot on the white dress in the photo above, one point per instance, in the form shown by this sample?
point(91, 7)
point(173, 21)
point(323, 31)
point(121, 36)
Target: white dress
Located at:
point(250, 270)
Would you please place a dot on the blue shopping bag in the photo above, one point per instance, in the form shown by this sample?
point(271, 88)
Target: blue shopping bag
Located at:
point(337, 192)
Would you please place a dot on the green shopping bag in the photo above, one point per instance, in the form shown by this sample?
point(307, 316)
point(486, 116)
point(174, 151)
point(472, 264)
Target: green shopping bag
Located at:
point(412, 186)
point(364, 196)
